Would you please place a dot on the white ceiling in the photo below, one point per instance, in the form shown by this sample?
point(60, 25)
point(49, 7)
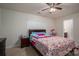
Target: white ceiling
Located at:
point(34, 8)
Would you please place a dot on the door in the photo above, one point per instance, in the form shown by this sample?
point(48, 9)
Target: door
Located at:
point(68, 28)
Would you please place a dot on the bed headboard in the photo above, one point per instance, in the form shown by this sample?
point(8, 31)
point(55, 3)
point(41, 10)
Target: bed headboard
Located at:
point(36, 30)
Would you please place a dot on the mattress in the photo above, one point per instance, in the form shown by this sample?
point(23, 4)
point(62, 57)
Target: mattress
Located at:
point(53, 46)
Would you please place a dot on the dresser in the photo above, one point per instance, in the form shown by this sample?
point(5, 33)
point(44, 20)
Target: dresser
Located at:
point(2, 46)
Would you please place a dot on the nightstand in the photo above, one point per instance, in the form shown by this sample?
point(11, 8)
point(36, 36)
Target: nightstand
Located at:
point(25, 42)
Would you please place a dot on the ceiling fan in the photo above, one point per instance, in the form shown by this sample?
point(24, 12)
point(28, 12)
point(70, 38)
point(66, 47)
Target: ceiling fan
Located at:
point(52, 7)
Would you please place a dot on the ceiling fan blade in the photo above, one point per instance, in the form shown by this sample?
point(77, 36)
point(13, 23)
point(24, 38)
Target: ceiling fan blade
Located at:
point(57, 3)
point(58, 8)
point(45, 9)
point(49, 4)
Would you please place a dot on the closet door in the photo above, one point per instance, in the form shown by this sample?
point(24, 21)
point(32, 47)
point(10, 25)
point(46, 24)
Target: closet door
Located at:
point(68, 28)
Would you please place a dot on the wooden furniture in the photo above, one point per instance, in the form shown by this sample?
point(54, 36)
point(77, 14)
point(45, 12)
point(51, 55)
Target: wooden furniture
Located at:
point(2, 46)
point(25, 42)
point(42, 30)
point(65, 34)
point(36, 30)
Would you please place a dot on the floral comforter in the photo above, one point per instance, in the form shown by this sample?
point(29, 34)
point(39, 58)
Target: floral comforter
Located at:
point(56, 46)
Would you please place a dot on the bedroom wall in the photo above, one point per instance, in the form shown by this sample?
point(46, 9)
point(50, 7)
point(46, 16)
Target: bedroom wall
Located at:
point(17, 23)
point(59, 25)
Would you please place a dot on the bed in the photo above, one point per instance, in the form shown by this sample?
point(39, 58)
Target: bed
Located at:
point(52, 45)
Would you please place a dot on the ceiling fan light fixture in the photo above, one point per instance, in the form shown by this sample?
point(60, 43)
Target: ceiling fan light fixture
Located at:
point(52, 9)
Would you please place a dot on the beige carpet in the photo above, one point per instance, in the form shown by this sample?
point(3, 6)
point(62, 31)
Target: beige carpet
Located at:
point(27, 51)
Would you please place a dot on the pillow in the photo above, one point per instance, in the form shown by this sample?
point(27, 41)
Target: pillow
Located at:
point(42, 36)
point(39, 37)
point(38, 33)
point(31, 35)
